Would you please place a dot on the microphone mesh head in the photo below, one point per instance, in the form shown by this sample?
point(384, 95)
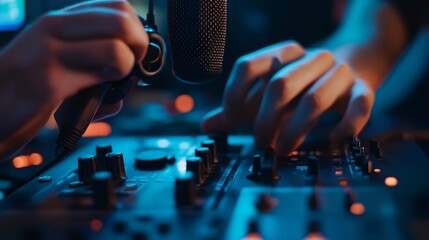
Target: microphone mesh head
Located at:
point(197, 33)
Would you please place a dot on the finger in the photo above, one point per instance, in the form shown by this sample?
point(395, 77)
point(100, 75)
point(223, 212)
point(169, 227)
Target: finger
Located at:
point(98, 23)
point(122, 5)
point(320, 97)
point(357, 113)
point(107, 110)
point(284, 87)
point(216, 122)
point(109, 59)
point(248, 69)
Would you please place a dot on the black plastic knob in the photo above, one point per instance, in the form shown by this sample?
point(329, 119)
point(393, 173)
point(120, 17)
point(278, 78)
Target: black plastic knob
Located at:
point(205, 155)
point(257, 164)
point(375, 149)
point(185, 191)
point(312, 165)
point(211, 144)
point(86, 167)
point(151, 160)
point(196, 166)
point(115, 165)
point(102, 186)
point(102, 150)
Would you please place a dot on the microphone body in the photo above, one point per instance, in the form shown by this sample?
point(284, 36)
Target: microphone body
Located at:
point(197, 34)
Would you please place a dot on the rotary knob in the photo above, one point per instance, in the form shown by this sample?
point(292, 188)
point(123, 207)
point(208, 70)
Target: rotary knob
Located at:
point(205, 155)
point(195, 165)
point(185, 191)
point(102, 150)
point(86, 168)
point(151, 160)
point(102, 185)
point(211, 144)
point(115, 165)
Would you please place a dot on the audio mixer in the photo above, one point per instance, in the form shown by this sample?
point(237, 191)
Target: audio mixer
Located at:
point(221, 187)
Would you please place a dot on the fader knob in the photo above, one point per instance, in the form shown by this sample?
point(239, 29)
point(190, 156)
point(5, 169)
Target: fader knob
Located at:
point(151, 160)
point(115, 165)
point(185, 192)
point(211, 144)
point(374, 147)
point(205, 155)
point(195, 165)
point(86, 168)
point(102, 150)
point(366, 167)
point(102, 185)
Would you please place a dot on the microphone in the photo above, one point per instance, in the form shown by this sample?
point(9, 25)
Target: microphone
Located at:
point(197, 33)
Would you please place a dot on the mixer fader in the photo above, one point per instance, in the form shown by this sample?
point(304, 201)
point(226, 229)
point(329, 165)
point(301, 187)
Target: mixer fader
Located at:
point(183, 187)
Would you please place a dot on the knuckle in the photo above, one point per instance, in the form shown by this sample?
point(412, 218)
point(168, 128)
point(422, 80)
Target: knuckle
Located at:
point(365, 101)
point(279, 86)
point(48, 19)
point(243, 64)
point(294, 45)
point(313, 101)
point(344, 69)
point(123, 5)
point(326, 55)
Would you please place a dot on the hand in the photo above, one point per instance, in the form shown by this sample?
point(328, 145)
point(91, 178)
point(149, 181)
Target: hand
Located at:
point(60, 54)
point(285, 90)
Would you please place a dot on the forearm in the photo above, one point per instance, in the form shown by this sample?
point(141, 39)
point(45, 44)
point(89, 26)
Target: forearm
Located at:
point(373, 47)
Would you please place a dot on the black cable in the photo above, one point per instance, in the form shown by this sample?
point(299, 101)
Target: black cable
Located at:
point(150, 17)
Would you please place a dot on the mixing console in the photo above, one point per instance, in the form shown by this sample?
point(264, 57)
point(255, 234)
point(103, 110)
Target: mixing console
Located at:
point(183, 187)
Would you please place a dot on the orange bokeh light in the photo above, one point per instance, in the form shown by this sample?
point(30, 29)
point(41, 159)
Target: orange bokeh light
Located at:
point(252, 236)
point(377, 170)
point(21, 162)
point(391, 181)
point(357, 209)
point(35, 159)
point(184, 103)
point(343, 182)
point(96, 225)
point(98, 129)
point(24, 161)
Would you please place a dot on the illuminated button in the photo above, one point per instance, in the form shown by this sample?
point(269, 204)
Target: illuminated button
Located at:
point(75, 184)
point(44, 179)
point(130, 187)
point(151, 160)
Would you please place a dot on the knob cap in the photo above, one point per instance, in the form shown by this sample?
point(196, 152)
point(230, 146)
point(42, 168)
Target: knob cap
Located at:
point(86, 167)
point(102, 185)
point(312, 165)
point(205, 155)
point(185, 192)
point(221, 142)
point(115, 165)
point(257, 164)
point(102, 150)
point(211, 144)
point(195, 165)
point(151, 160)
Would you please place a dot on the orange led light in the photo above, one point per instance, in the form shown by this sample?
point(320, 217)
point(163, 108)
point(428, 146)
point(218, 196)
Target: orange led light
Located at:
point(96, 225)
point(377, 170)
point(338, 172)
point(184, 103)
point(391, 181)
point(293, 153)
point(343, 182)
point(98, 129)
point(357, 209)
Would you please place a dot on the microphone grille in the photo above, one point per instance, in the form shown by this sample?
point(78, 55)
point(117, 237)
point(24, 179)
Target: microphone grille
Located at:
point(197, 32)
